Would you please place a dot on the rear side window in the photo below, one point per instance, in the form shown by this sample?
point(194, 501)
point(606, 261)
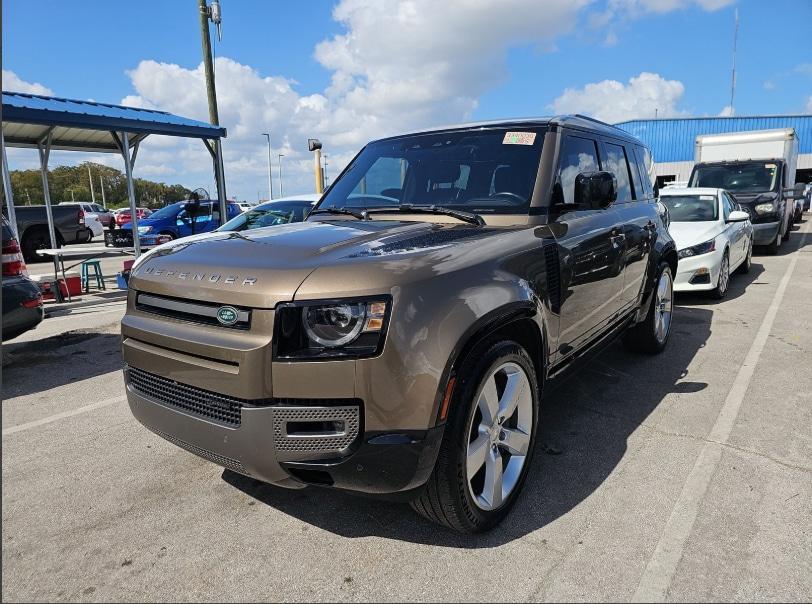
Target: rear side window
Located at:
point(645, 177)
point(615, 162)
point(577, 155)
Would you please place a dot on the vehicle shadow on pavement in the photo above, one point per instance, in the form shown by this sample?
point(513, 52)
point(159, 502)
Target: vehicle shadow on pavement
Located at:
point(39, 365)
point(585, 426)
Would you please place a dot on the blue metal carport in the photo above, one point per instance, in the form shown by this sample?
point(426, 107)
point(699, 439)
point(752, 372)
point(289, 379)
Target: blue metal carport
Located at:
point(46, 123)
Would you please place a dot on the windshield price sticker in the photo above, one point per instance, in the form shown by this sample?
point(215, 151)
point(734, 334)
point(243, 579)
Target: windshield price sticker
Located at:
point(707, 197)
point(519, 138)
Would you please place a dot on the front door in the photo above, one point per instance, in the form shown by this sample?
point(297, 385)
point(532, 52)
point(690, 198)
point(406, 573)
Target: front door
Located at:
point(590, 250)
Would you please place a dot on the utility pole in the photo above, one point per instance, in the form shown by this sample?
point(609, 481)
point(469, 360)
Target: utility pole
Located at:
point(733, 77)
point(90, 178)
point(72, 198)
point(281, 155)
point(213, 12)
point(314, 146)
point(270, 184)
point(324, 171)
point(101, 186)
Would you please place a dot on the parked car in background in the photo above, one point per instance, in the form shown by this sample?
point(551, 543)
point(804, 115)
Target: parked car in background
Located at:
point(32, 228)
point(184, 218)
point(397, 342)
point(22, 300)
point(245, 206)
point(714, 237)
point(123, 216)
point(94, 225)
point(270, 213)
point(105, 216)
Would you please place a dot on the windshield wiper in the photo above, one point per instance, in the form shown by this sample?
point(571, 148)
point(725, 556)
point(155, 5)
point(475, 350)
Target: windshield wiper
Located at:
point(345, 211)
point(407, 208)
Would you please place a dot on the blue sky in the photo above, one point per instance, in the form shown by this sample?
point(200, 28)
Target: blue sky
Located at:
point(398, 65)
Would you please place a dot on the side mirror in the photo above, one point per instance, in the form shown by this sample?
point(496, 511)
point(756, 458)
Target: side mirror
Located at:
point(595, 190)
point(738, 216)
point(796, 192)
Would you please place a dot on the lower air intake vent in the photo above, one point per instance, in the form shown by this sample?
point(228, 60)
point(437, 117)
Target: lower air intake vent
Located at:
point(315, 429)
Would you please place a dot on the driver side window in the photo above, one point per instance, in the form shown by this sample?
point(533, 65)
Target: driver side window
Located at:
point(577, 155)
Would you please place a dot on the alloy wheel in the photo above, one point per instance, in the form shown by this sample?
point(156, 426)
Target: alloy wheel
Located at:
point(499, 436)
point(664, 306)
point(724, 275)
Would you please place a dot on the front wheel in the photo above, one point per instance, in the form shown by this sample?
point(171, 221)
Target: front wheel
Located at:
point(651, 334)
point(488, 441)
point(724, 278)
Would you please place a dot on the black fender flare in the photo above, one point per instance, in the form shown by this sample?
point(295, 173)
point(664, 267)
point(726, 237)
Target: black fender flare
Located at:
point(483, 327)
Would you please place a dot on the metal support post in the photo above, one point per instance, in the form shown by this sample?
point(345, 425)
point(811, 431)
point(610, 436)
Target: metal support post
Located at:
point(12, 216)
point(221, 181)
point(128, 169)
point(44, 153)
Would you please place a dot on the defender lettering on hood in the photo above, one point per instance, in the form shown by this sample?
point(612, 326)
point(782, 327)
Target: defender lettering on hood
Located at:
point(211, 278)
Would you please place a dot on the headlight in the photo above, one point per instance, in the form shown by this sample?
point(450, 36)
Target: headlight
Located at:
point(343, 328)
point(764, 208)
point(143, 230)
point(698, 250)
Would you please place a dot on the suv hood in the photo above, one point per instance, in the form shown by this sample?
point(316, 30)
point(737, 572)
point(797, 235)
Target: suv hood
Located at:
point(266, 266)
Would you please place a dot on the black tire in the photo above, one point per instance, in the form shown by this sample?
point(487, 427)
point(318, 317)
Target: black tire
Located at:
point(643, 337)
point(772, 247)
point(33, 240)
point(744, 267)
point(447, 498)
point(723, 283)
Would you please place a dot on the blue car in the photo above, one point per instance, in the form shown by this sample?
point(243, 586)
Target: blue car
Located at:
point(183, 218)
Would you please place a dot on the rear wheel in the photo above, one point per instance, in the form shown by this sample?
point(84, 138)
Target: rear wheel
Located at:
point(488, 441)
point(33, 240)
point(744, 267)
point(651, 335)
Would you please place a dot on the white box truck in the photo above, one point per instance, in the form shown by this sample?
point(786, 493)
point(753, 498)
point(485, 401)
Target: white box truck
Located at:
point(758, 168)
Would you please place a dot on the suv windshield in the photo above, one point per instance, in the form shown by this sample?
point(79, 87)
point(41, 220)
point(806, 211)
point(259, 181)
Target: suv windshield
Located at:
point(691, 208)
point(483, 171)
point(750, 177)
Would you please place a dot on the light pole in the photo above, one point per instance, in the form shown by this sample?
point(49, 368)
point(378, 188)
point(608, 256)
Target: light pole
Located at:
point(281, 155)
point(270, 186)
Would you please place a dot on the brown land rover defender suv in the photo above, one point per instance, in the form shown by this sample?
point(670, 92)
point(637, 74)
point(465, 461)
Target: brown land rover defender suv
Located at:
point(399, 340)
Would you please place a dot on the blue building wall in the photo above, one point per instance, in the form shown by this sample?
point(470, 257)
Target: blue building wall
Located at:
point(673, 139)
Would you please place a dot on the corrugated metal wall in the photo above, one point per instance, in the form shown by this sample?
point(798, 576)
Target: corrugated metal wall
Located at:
point(672, 140)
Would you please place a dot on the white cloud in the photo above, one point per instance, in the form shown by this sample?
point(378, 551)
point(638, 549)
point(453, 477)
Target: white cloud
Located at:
point(769, 85)
point(727, 111)
point(645, 96)
point(809, 104)
point(13, 83)
point(397, 65)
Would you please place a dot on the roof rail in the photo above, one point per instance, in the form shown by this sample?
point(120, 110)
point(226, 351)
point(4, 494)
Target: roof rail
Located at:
point(592, 119)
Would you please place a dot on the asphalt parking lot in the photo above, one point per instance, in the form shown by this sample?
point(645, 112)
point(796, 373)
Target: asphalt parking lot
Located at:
point(685, 477)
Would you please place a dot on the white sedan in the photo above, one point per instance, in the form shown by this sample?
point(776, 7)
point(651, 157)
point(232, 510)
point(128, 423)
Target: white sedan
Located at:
point(713, 235)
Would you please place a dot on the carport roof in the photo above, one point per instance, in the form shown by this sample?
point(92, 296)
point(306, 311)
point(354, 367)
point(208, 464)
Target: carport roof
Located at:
point(89, 126)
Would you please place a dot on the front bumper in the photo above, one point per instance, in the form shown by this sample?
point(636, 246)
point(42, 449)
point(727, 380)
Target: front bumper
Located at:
point(764, 233)
point(690, 272)
point(260, 445)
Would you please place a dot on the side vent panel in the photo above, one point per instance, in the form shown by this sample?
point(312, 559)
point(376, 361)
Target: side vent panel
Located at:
point(552, 261)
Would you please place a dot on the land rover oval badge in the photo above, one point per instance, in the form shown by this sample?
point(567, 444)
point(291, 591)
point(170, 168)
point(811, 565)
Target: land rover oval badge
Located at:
point(227, 315)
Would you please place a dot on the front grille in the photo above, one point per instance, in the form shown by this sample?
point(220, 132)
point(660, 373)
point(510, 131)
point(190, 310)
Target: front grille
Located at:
point(193, 311)
point(215, 407)
point(221, 460)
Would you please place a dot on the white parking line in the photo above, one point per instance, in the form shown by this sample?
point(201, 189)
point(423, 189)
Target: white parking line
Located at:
point(63, 415)
point(659, 572)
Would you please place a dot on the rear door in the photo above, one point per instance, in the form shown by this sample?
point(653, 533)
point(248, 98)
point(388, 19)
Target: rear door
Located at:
point(638, 215)
point(590, 249)
point(736, 231)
